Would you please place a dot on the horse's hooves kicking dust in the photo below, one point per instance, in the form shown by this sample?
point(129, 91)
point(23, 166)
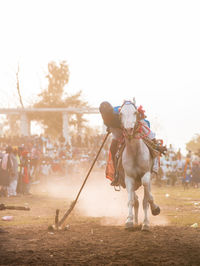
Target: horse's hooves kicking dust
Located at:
point(133, 227)
point(145, 228)
point(155, 211)
point(129, 226)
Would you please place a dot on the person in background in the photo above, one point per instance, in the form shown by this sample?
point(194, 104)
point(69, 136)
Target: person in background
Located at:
point(25, 172)
point(14, 175)
point(19, 183)
point(7, 168)
point(187, 171)
point(173, 175)
point(195, 174)
point(35, 157)
point(4, 175)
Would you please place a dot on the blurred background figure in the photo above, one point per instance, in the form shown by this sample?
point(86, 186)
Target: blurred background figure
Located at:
point(25, 172)
point(187, 171)
point(12, 188)
point(195, 174)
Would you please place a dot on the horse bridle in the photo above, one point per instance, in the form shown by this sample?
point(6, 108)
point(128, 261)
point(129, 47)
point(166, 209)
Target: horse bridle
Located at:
point(136, 124)
point(137, 127)
point(128, 102)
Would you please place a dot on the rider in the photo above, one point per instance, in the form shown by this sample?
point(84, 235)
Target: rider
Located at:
point(111, 120)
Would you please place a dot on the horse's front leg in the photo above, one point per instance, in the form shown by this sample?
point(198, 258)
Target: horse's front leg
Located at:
point(145, 225)
point(136, 207)
point(148, 199)
point(132, 201)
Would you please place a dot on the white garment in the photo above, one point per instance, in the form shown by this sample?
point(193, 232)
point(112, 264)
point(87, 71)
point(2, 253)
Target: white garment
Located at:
point(179, 164)
point(12, 188)
point(46, 169)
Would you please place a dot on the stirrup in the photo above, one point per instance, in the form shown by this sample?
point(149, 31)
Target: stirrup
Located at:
point(162, 149)
point(115, 183)
point(117, 188)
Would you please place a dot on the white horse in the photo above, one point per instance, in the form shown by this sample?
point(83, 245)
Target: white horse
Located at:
point(137, 164)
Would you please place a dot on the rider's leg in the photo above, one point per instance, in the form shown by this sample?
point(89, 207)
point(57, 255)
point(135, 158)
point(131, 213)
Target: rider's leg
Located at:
point(117, 134)
point(113, 150)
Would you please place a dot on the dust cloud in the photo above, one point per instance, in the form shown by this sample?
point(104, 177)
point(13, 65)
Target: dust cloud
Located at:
point(98, 198)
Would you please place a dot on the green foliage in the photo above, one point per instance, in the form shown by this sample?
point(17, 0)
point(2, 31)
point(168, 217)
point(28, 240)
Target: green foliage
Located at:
point(58, 77)
point(194, 144)
point(53, 96)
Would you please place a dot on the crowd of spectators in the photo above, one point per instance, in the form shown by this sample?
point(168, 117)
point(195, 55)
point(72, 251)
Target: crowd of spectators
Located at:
point(177, 169)
point(28, 160)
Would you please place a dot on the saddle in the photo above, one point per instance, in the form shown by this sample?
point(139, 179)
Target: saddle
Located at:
point(116, 168)
point(119, 170)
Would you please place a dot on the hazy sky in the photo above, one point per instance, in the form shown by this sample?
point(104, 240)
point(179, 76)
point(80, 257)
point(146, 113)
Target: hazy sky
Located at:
point(115, 50)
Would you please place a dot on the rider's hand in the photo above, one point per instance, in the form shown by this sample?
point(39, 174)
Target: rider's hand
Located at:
point(108, 130)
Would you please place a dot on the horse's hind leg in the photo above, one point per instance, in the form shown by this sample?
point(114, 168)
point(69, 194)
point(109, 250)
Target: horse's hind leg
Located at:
point(155, 209)
point(132, 201)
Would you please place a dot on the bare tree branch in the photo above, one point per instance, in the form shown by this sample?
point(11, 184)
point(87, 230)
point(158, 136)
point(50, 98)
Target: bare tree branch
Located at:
point(18, 88)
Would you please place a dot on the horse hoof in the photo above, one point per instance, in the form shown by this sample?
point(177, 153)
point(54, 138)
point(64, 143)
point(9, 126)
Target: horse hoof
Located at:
point(156, 211)
point(129, 226)
point(145, 227)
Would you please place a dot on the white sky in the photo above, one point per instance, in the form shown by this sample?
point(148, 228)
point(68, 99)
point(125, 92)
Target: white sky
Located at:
point(115, 50)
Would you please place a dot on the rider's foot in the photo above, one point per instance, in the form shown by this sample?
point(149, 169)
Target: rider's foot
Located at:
point(162, 149)
point(115, 182)
point(159, 146)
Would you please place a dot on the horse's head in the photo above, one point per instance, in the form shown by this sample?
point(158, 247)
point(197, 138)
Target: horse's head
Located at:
point(129, 117)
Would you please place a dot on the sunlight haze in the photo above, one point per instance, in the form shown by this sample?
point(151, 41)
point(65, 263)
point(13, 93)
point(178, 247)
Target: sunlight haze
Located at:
point(115, 50)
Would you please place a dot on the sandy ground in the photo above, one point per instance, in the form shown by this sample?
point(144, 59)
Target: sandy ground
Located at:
point(95, 233)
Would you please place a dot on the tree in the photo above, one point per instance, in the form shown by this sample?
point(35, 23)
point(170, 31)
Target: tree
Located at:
point(53, 96)
point(58, 77)
point(11, 125)
point(194, 144)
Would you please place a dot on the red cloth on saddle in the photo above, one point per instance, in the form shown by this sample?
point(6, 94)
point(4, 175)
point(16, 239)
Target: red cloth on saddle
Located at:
point(110, 170)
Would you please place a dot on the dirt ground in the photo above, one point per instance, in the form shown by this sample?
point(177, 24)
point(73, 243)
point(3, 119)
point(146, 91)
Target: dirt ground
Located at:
point(89, 243)
point(89, 239)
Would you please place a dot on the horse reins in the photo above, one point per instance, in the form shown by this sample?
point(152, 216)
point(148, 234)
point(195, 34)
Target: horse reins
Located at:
point(137, 127)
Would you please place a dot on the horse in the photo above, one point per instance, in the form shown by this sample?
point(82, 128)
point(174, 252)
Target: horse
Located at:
point(137, 163)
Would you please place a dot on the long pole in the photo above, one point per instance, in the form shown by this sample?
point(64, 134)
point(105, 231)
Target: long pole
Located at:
point(75, 201)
